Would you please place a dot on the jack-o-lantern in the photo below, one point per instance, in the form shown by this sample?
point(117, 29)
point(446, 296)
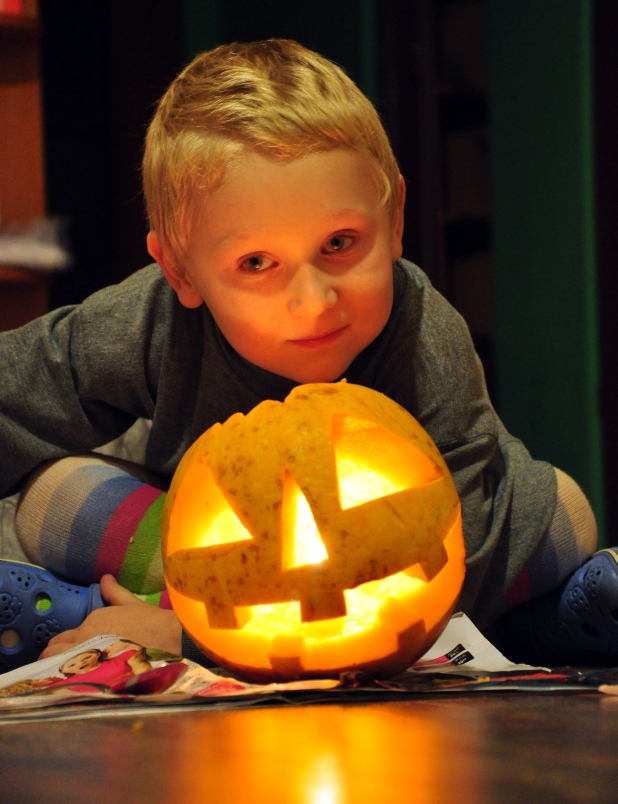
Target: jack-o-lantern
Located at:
point(313, 536)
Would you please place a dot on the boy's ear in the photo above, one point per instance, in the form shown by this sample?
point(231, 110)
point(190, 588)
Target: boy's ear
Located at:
point(178, 279)
point(397, 230)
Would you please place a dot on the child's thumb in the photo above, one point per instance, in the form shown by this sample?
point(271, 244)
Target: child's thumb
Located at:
point(114, 594)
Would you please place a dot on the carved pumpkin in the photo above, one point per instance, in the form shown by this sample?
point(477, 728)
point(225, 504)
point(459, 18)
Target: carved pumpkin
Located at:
point(313, 536)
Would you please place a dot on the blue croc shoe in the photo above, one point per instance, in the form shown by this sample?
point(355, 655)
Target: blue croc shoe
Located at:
point(578, 624)
point(35, 606)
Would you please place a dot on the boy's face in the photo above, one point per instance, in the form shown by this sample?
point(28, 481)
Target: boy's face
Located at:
point(294, 260)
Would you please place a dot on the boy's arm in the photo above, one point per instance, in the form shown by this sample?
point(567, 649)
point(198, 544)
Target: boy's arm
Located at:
point(507, 497)
point(126, 616)
point(80, 376)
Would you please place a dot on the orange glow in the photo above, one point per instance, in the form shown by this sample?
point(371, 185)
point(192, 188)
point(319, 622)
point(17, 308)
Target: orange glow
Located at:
point(289, 556)
point(379, 612)
point(350, 753)
point(359, 484)
point(373, 463)
point(225, 528)
point(300, 539)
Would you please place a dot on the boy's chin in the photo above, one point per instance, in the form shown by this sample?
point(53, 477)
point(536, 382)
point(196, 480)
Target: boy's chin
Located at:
point(306, 367)
point(308, 374)
point(316, 376)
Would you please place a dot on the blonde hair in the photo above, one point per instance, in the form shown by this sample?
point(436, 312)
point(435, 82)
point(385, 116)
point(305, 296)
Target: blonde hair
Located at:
point(275, 97)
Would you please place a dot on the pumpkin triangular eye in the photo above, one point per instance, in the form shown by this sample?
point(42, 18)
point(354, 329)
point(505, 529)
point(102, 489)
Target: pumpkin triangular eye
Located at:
point(371, 462)
point(300, 540)
point(207, 516)
point(225, 528)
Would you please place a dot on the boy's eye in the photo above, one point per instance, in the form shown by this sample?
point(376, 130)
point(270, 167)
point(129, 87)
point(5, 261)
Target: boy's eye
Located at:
point(338, 243)
point(256, 263)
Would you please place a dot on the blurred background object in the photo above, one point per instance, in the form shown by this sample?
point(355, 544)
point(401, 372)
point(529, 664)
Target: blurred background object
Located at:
point(36, 245)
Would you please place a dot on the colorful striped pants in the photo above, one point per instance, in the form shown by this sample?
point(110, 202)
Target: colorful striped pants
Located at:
point(85, 516)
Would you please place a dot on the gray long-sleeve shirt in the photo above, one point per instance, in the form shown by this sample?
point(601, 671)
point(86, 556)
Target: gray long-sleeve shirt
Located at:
point(80, 376)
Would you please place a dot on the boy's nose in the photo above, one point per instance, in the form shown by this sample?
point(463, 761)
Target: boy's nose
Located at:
point(312, 292)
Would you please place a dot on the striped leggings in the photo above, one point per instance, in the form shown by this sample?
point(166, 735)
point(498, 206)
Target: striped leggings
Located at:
point(85, 516)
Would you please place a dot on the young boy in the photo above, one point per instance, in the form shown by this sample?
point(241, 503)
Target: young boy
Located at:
point(276, 213)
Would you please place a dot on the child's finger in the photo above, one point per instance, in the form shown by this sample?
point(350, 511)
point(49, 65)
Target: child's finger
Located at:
point(65, 636)
point(60, 643)
point(114, 594)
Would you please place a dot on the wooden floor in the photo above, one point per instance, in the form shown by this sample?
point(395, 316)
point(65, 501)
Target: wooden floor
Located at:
point(479, 748)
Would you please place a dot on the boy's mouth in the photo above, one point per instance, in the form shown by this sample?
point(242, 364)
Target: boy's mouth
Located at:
point(314, 341)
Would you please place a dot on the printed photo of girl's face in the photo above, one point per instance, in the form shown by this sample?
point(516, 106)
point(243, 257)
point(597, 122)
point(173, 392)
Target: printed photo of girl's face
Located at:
point(81, 663)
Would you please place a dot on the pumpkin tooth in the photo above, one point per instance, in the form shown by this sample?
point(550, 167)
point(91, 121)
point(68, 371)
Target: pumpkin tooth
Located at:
point(219, 614)
point(285, 645)
point(416, 571)
point(435, 560)
point(315, 606)
point(397, 616)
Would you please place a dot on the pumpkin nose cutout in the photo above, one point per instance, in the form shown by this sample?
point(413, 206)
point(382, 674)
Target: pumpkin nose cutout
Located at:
point(301, 542)
point(372, 463)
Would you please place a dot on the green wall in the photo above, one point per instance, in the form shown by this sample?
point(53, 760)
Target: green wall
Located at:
point(543, 206)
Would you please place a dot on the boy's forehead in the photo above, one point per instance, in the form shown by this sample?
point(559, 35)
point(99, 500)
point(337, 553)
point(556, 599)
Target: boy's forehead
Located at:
point(248, 163)
point(335, 185)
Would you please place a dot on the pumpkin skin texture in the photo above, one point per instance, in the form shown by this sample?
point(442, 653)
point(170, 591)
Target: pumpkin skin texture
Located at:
point(314, 536)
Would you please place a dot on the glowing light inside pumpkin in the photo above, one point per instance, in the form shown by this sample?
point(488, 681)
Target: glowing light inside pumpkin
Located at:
point(225, 528)
point(363, 605)
point(358, 483)
point(373, 463)
point(303, 546)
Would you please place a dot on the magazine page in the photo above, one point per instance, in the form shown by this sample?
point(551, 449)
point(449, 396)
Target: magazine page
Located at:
point(462, 649)
point(99, 668)
point(112, 671)
point(112, 668)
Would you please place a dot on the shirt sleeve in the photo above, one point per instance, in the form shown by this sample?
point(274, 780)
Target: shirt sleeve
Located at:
point(507, 497)
point(80, 376)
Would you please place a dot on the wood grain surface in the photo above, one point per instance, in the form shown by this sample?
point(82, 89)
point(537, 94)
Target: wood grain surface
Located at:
point(479, 748)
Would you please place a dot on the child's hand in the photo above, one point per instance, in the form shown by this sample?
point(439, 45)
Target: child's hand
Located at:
point(127, 616)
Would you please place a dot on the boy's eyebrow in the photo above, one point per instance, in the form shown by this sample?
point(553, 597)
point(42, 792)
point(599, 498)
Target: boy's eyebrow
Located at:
point(241, 236)
point(233, 239)
point(360, 212)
